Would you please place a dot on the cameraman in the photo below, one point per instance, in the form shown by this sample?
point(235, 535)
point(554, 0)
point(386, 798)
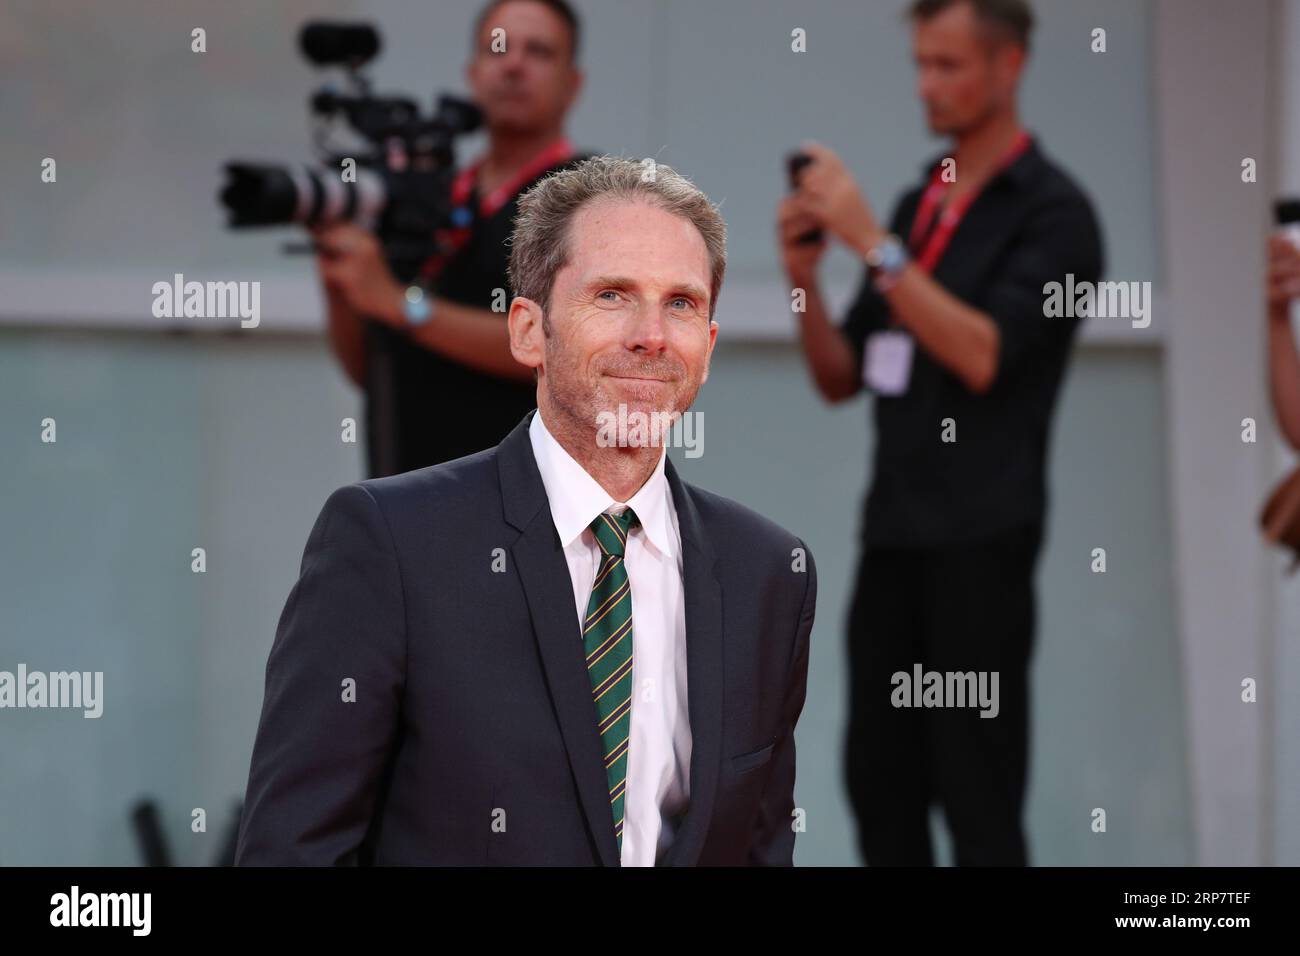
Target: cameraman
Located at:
point(439, 379)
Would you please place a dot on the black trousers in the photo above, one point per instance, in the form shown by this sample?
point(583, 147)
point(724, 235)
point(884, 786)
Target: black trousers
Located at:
point(960, 609)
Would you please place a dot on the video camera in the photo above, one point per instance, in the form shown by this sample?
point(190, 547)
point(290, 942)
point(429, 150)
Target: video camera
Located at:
point(399, 186)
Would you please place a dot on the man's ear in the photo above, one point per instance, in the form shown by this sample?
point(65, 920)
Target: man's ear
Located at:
point(1010, 63)
point(577, 79)
point(527, 341)
point(713, 339)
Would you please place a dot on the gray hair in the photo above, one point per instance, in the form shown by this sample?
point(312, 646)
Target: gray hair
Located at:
point(539, 245)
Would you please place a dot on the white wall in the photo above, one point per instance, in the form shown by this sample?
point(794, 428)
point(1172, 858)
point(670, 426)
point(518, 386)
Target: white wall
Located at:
point(1212, 113)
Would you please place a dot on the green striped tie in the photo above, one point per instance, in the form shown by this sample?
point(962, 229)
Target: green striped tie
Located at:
point(607, 638)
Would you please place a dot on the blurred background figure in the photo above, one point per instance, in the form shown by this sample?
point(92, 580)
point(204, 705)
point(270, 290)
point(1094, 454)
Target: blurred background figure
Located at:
point(1283, 288)
point(950, 334)
point(436, 368)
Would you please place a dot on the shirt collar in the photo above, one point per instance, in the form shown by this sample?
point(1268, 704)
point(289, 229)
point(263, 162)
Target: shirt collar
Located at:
point(576, 498)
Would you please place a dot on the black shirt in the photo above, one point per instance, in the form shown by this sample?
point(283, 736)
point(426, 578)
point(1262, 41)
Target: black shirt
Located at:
point(1031, 225)
point(423, 408)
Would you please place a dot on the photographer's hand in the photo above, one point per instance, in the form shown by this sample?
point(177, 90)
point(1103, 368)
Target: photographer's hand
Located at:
point(352, 266)
point(1282, 285)
point(800, 259)
point(353, 269)
point(963, 339)
point(1283, 279)
point(828, 192)
point(830, 358)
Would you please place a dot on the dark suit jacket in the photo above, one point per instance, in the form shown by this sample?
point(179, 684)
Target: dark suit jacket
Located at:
point(472, 699)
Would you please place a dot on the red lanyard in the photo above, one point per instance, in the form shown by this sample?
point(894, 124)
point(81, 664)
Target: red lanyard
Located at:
point(462, 187)
point(939, 237)
point(552, 155)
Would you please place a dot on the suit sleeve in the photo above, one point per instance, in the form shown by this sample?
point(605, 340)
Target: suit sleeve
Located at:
point(773, 843)
point(321, 753)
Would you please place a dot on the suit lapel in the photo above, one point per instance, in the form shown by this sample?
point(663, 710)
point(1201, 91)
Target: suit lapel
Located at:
point(704, 678)
point(549, 592)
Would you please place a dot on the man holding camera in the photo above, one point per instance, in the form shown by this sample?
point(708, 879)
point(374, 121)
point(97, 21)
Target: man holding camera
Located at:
point(434, 357)
point(950, 334)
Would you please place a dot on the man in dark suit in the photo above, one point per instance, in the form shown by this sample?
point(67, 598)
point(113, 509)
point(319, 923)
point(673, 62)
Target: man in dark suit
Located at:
point(554, 651)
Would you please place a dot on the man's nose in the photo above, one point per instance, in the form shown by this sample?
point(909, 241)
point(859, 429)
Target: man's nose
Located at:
point(512, 59)
point(925, 86)
point(648, 328)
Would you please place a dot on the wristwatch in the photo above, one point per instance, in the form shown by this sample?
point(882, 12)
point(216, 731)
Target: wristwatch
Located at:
point(885, 260)
point(416, 305)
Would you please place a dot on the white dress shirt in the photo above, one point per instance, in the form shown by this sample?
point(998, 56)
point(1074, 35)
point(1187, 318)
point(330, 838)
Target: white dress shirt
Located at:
point(659, 745)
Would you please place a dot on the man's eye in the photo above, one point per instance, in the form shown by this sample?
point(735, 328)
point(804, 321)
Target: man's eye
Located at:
point(607, 292)
point(685, 301)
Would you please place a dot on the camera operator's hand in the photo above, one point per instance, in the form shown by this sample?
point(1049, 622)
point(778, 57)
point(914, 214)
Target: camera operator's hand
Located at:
point(799, 258)
point(352, 265)
point(828, 192)
point(1283, 275)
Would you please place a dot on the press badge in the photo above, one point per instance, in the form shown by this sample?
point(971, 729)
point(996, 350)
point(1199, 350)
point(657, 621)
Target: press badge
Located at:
point(887, 362)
